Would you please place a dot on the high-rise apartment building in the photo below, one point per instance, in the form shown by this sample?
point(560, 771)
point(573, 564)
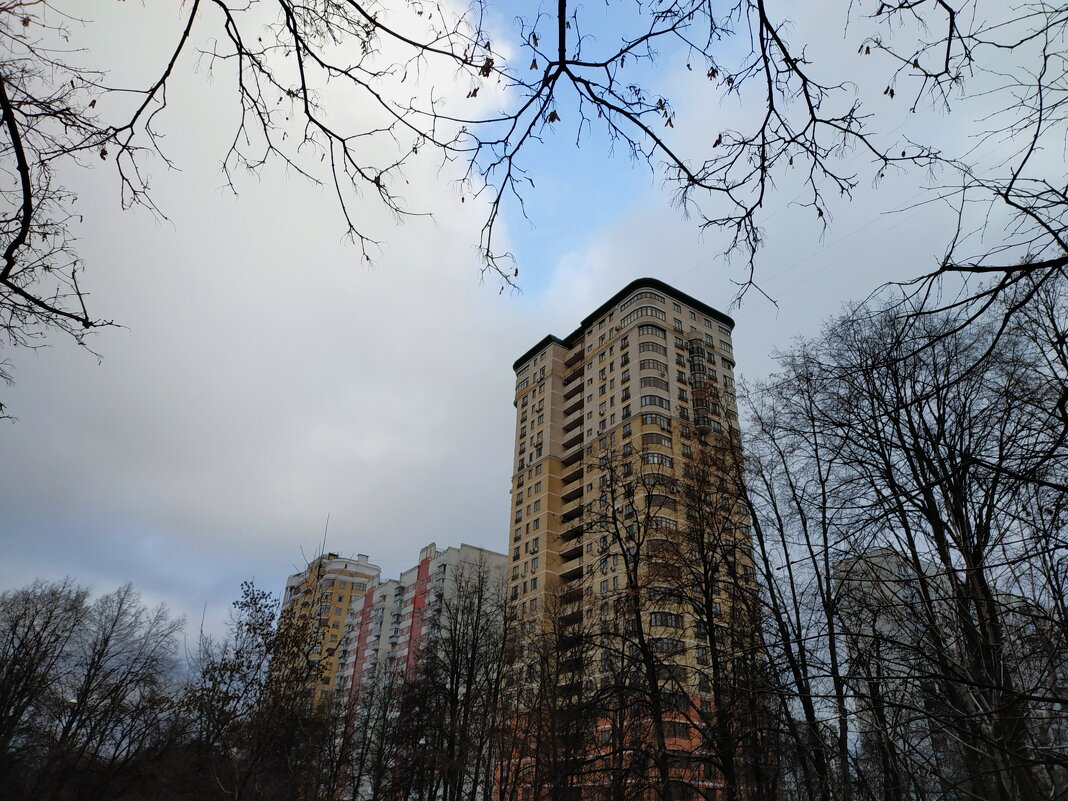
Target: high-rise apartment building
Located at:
point(630, 555)
point(650, 371)
point(385, 627)
point(325, 590)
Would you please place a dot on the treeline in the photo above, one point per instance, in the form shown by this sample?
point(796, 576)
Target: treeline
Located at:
point(906, 484)
point(97, 701)
point(864, 600)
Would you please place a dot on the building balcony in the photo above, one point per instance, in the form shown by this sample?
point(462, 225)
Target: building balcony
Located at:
point(572, 596)
point(573, 422)
point(572, 441)
point(573, 512)
point(571, 618)
point(572, 494)
point(574, 403)
point(573, 476)
point(574, 374)
point(573, 574)
point(571, 532)
point(575, 552)
point(571, 457)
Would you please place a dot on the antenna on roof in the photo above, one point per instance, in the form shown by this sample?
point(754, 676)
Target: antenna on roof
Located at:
point(326, 528)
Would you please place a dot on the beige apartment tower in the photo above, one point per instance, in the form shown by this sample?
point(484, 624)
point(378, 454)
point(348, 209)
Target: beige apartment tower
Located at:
point(629, 551)
point(324, 592)
point(649, 371)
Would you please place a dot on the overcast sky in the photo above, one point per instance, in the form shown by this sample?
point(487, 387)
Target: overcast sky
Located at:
point(264, 379)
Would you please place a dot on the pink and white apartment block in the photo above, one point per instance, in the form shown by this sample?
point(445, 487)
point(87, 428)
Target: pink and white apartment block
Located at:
point(386, 626)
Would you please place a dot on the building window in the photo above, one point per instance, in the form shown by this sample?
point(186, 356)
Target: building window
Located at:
point(653, 364)
point(643, 295)
point(654, 438)
point(667, 645)
point(658, 458)
point(671, 620)
point(656, 400)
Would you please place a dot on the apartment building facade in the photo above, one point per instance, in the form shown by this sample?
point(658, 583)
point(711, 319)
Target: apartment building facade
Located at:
point(326, 590)
point(385, 627)
point(614, 426)
point(649, 371)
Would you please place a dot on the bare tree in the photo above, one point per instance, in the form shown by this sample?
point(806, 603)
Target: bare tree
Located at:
point(733, 711)
point(555, 715)
point(457, 688)
point(372, 728)
point(259, 731)
point(910, 603)
point(291, 63)
point(38, 624)
point(684, 696)
point(90, 691)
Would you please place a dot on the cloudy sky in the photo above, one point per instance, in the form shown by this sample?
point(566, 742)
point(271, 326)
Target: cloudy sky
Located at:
point(265, 380)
